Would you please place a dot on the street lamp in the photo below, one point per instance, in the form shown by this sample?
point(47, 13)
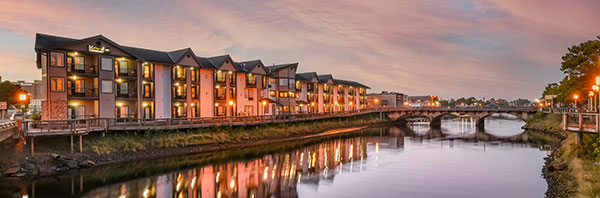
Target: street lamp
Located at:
point(264, 103)
point(575, 97)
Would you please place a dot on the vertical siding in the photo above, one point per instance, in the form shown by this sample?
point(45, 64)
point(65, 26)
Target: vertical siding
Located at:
point(106, 102)
point(162, 90)
point(321, 102)
point(206, 93)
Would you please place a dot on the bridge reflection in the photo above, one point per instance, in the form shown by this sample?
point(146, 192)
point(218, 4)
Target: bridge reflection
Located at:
point(271, 175)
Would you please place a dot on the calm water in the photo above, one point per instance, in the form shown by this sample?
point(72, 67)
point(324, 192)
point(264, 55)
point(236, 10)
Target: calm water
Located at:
point(396, 161)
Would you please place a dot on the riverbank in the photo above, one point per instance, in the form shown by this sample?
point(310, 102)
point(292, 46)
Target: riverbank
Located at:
point(571, 170)
point(52, 157)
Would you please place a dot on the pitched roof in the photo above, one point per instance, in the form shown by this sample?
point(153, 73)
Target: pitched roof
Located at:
point(349, 83)
point(324, 78)
point(205, 63)
point(274, 68)
point(151, 55)
point(44, 41)
point(308, 76)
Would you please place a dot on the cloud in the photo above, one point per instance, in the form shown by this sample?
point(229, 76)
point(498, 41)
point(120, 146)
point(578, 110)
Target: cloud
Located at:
point(458, 48)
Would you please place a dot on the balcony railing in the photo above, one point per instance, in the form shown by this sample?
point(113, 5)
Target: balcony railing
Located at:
point(183, 96)
point(129, 73)
point(82, 69)
point(82, 92)
point(126, 94)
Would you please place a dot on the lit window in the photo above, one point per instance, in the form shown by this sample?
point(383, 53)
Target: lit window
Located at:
point(57, 59)
point(107, 86)
point(57, 84)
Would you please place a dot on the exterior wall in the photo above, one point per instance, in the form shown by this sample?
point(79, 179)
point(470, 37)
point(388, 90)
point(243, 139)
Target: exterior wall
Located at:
point(346, 102)
point(106, 101)
point(206, 93)
point(243, 101)
point(162, 88)
point(57, 100)
point(320, 98)
point(335, 98)
point(188, 95)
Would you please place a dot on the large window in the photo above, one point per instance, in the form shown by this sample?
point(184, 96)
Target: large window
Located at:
point(147, 90)
point(147, 70)
point(107, 63)
point(79, 62)
point(292, 83)
point(283, 82)
point(123, 67)
point(249, 94)
point(123, 88)
point(107, 86)
point(179, 73)
point(57, 84)
point(79, 86)
point(57, 59)
point(220, 76)
point(195, 75)
point(251, 79)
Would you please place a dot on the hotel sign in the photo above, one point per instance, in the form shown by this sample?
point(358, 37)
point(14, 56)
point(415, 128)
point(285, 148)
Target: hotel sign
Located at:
point(98, 49)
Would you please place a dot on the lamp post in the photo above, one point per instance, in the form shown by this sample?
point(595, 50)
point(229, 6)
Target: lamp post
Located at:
point(231, 115)
point(591, 100)
point(264, 103)
point(575, 97)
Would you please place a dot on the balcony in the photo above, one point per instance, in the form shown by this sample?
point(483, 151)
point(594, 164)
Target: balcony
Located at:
point(126, 94)
point(88, 92)
point(126, 73)
point(83, 69)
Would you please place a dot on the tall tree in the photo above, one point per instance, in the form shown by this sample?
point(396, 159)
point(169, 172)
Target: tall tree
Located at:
point(8, 92)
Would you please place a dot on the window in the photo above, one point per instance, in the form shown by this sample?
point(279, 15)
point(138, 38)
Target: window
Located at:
point(124, 111)
point(194, 74)
point(57, 59)
point(147, 90)
point(292, 83)
point(264, 81)
point(123, 88)
point(283, 94)
point(107, 86)
point(123, 67)
point(251, 79)
point(107, 64)
point(272, 94)
point(195, 90)
point(57, 84)
point(272, 80)
point(232, 78)
point(248, 94)
point(283, 82)
point(220, 93)
point(220, 76)
point(249, 109)
point(147, 71)
point(79, 62)
point(298, 85)
point(79, 85)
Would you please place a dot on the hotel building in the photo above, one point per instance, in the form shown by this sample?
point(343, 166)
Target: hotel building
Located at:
point(96, 77)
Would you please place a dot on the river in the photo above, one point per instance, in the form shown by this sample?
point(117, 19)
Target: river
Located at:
point(457, 160)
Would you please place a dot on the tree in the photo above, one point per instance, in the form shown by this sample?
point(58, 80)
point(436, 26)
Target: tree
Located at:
point(580, 65)
point(8, 92)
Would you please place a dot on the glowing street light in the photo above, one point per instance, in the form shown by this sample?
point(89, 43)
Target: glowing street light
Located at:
point(575, 97)
point(22, 97)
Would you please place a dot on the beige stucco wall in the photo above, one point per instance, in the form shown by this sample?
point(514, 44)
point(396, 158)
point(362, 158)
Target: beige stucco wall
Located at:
point(206, 93)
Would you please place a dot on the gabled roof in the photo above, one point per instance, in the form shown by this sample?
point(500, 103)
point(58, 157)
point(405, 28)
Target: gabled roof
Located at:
point(324, 78)
point(218, 61)
point(48, 42)
point(151, 55)
point(249, 66)
point(308, 76)
point(178, 55)
point(274, 68)
point(205, 63)
point(349, 83)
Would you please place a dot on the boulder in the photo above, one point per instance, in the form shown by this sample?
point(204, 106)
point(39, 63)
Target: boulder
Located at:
point(86, 164)
point(70, 163)
point(62, 169)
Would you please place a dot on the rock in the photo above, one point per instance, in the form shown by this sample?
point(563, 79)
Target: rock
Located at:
point(46, 170)
point(12, 171)
point(62, 169)
point(70, 163)
point(86, 164)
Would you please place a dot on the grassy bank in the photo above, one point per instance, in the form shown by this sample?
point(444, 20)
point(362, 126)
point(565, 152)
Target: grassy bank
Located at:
point(572, 170)
point(132, 142)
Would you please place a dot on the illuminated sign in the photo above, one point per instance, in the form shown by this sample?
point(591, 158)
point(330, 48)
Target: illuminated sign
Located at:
point(98, 49)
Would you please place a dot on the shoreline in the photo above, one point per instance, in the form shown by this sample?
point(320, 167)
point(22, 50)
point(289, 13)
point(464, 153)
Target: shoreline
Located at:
point(51, 164)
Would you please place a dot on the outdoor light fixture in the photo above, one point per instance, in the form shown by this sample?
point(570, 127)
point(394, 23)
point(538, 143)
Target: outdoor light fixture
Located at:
point(264, 102)
point(312, 103)
point(575, 96)
point(22, 97)
point(119, 80)
point(216, 104)
point(231, 103)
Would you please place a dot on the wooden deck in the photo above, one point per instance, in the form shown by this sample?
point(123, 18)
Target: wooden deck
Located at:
point(86, 126)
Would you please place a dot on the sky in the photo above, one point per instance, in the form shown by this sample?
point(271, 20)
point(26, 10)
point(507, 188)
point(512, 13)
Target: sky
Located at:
point(497, 48)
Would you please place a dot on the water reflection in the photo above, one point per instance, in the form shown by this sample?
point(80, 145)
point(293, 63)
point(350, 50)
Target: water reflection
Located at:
point(276, 174)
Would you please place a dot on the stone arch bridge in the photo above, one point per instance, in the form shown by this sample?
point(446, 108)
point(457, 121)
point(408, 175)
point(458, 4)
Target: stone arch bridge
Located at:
point(434, 115)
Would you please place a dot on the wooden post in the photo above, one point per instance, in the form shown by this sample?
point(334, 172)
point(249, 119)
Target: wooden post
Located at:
point(81, 143)
point(565, 121)
point(72, 143)
point(32, 146)
point(580, 122)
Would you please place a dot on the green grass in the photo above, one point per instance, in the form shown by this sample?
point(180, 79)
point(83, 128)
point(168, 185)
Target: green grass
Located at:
point(130, 141)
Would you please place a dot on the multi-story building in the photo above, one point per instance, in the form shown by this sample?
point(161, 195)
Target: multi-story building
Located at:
point(307, 91)
point(96, 77)
point(284, 76)
point(386, 99)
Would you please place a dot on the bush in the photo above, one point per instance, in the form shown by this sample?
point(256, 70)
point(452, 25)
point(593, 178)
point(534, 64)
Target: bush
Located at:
point(36, 116)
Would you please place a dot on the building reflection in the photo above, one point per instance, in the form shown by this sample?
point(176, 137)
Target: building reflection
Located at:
point(274, 175)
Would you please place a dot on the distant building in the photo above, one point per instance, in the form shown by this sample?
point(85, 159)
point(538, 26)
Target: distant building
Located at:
point(385, 99)
point(423, 101)
point(34, 89)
